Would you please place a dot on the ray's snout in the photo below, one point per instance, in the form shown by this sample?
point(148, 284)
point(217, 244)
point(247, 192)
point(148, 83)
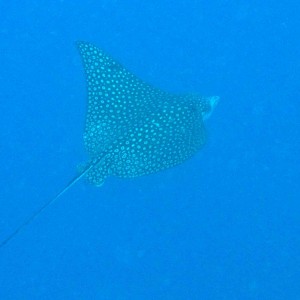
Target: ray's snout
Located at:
point(212, 103)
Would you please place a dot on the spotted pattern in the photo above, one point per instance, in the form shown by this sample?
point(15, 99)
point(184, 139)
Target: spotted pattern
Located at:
point(132, 128)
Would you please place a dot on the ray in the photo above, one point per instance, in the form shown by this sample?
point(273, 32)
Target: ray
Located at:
point(132, 128)
point(141, 129)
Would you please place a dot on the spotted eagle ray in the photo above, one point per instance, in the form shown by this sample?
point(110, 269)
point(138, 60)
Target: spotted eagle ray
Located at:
point(132, 128)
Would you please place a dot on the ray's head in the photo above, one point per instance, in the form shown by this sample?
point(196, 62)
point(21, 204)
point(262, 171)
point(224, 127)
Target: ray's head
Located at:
point(207, 106)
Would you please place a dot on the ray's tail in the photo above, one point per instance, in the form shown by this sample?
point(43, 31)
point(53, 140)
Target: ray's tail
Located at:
point(47, 204)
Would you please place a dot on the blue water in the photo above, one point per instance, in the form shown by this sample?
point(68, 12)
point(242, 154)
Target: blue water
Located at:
point(224, 225)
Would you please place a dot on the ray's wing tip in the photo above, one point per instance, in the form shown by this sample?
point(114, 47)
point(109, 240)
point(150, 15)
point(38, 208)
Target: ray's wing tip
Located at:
point(83, 45)
point(80, 44)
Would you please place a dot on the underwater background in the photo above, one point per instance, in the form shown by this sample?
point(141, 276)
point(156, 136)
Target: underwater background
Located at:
point(223, 225)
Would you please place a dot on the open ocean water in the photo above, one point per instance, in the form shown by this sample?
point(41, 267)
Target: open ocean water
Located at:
point(223, 225)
